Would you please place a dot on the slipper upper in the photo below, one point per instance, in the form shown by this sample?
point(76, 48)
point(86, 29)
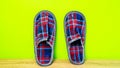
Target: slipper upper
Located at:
point(44, 28)
point(41, 33)
point(74, 27)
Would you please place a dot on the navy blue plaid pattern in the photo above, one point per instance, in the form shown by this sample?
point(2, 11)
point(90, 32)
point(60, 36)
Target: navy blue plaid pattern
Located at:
point(44, 37)
point(75, 32)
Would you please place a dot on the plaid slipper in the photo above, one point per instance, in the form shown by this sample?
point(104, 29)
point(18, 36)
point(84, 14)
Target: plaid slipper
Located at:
point(44, 36)
point(75, 36)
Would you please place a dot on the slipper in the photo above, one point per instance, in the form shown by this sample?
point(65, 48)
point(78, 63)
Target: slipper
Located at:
point(44, 37)
point(75, 36)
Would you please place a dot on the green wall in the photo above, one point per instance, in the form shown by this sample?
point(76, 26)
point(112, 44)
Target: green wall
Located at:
point(102, 32)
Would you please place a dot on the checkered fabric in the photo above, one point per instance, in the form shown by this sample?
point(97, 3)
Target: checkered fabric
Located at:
point(44, 37)
point(44, 53)
point(75, 33)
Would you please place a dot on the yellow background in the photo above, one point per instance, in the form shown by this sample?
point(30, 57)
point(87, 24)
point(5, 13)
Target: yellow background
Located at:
point(102, 22)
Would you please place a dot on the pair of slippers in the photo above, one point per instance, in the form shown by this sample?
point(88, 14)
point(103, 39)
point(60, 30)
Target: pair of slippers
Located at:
point(45, 33)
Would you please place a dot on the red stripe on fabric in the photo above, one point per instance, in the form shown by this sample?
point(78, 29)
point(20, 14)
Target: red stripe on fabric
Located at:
point(47, 16)
point(74, 15)
point(77, 35)
point(71, 21)
point(43, 52)
point(70, 16)
point(45, 35)
point(43, 19)
point(72, 30)
point(47, 13)
point(44, 27)
point(75, 21)
point(43, 14)
point(71, 53)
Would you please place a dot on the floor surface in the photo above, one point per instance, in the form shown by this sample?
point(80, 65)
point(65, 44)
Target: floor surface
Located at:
point(27, 63)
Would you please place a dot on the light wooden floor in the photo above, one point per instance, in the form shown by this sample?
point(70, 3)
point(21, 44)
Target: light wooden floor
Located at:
point(60, 64)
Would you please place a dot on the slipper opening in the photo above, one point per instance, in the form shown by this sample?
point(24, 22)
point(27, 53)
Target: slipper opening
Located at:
point(44, 52)
point(76, 51)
